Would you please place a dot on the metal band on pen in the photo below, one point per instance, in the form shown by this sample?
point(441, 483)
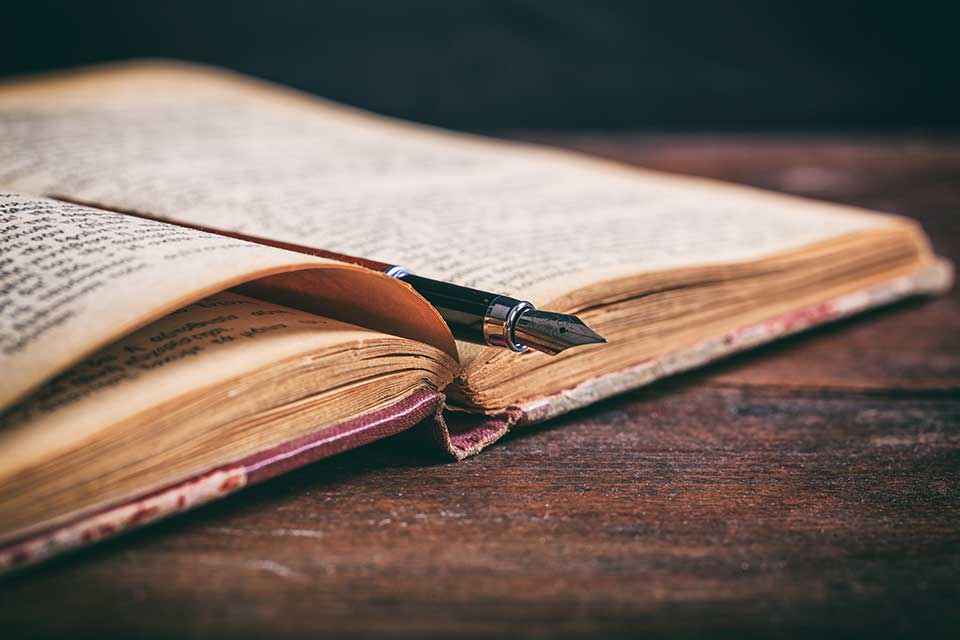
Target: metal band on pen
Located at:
point(397, 272)
point(500, 322)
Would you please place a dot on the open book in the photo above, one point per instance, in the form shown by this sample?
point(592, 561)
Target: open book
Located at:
point(147, 367)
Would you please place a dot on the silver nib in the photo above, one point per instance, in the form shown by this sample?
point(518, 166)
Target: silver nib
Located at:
point(552, 333)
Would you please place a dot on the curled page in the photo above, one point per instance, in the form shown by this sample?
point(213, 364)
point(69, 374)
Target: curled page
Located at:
point(74, 278)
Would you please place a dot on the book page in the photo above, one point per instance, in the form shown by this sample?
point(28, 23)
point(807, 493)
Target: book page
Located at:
point(134, 374)
point(211, 382)
point(218, 338)
point(73, 278)
point(215, 149)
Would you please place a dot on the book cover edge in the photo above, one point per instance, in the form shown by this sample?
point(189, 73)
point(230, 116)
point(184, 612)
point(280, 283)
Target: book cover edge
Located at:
point(79, 530)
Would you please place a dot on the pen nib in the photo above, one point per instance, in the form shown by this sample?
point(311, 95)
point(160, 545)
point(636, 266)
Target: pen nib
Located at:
point(552, 333)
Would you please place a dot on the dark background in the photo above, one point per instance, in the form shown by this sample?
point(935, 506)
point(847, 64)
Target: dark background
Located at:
point(555, 64)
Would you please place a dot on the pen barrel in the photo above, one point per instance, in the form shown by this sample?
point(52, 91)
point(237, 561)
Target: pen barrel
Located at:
point(473, 316)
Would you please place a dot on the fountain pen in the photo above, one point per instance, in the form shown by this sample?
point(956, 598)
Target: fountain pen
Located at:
point(473, 316)
point(499, 321)
point(479, 316)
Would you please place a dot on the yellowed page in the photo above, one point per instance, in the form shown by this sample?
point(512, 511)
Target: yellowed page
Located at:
point(213, 148)
point(215, 339)
point(74, 278)
point(211, 382)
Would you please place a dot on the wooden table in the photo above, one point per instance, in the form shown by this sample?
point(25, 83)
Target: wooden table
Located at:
point(813, 485)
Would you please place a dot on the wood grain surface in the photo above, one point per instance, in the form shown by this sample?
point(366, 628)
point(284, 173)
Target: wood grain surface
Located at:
point(810, 487)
